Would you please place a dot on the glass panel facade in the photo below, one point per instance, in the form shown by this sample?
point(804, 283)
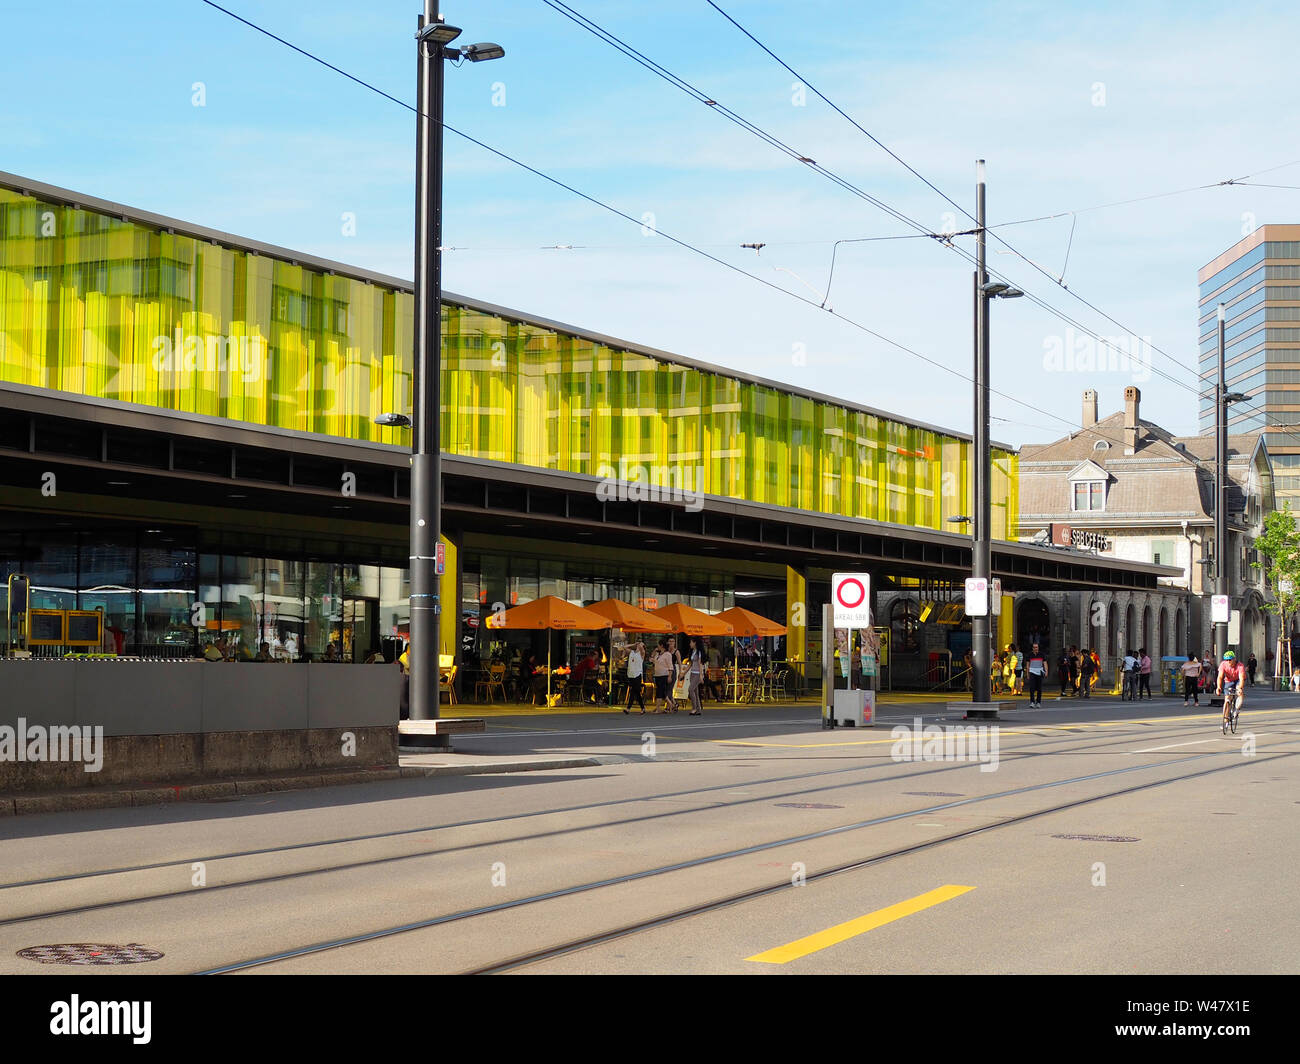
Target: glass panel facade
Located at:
point(94, 305)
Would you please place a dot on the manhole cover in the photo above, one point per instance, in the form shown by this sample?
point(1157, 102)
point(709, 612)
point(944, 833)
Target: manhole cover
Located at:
point(935, 794)
point(806, 805)
point(1098, 838)
point(87, 953)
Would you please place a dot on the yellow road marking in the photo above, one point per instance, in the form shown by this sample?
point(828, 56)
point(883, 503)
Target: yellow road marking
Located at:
point(832, 936)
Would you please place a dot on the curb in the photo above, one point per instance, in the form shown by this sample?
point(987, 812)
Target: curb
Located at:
point(412, 771)
point(62, 802)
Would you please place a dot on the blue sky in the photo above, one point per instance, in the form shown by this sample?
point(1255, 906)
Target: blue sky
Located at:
point(1072, 105)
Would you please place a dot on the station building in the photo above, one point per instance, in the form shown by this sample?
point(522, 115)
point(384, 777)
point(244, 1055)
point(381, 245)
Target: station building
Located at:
point(188, 417)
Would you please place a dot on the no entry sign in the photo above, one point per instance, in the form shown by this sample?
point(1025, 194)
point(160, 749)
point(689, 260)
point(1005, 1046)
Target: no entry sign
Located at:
point(851, 600)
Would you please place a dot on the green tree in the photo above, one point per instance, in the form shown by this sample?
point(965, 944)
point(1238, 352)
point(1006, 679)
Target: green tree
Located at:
point(1280, 546)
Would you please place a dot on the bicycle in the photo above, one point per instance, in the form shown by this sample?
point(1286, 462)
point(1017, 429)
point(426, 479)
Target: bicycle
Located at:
point(1230, 692)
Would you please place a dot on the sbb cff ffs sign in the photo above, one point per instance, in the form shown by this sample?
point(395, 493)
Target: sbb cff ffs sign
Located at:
point(851, 600)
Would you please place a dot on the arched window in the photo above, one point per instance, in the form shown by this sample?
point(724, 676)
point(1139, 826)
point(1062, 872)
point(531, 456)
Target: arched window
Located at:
point(1146, 630)
point(1164, 631)
point(904, 622)
point(1129, 633)
point(1112, 622)
point(1180, 647)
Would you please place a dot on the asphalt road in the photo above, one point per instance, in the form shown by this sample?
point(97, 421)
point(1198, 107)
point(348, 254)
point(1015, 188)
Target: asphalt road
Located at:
point(1101, 838)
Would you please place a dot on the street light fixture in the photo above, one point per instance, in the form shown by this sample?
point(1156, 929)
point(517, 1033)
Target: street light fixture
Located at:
point(478, 53)
point(438, 32)
point(432, 38)
point(961, 520)
point(398, 421)
point(1000, 290)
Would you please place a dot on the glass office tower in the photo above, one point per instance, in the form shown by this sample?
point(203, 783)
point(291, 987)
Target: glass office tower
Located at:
point(1258, 281)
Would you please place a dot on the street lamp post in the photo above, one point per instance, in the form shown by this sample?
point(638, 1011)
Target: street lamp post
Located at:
point(433, 36)
point(1221, 574)
point(982, 472)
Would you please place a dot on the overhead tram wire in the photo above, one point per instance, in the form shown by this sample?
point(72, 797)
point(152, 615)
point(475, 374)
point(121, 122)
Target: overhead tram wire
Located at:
point(1289, 430)
point(626, 217)
point(945, 238)
point(1070, 424)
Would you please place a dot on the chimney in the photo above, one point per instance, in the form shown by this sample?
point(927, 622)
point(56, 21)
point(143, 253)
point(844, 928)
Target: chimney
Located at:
point(1131, 399)
point(1089, 408)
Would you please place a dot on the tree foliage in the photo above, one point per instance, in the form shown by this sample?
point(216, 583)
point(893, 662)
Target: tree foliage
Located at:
point(1280, 546)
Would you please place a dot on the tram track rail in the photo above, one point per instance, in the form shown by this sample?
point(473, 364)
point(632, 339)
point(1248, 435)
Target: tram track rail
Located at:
point(736, 898)
point(1099, 743)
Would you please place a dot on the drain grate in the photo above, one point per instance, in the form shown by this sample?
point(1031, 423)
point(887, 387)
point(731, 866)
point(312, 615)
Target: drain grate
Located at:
point(1098, 838)
point(935, 794)
point(90, 953)
point(806, 805)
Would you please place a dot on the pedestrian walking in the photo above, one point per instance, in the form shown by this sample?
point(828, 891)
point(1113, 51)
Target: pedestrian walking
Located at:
point(1035, 674)
point(1128, 690)
point(1063, 672)
point(1074, 670)
point(1144, 673)
point(1251, 665)
point(1191, 670)
point(663, 665)
point(695, 670)
point(635, 665)
point(1019, 659)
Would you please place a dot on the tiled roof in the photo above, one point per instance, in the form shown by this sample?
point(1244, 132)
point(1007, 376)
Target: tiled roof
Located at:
point(1169, 476)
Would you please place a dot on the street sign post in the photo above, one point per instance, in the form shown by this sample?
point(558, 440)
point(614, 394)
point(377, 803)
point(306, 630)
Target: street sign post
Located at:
point(851, 600)
point(1219, 609)
point(977, 597)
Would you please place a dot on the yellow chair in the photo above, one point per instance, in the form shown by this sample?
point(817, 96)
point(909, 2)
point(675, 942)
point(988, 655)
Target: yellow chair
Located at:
point(447, 683)
point(494, 681)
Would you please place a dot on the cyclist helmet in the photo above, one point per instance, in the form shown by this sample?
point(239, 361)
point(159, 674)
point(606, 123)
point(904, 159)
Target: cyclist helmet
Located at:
point(1228, 655)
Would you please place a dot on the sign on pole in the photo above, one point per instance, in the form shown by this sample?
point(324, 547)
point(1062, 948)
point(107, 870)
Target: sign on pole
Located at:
point(1219, 609)
point(440, 559)
point(1234, 628)
point(977, 597)
point(996, 593)
point(851, 600)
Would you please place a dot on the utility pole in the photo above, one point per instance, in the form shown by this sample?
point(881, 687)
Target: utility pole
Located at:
point(426, 501)
point(1222, 575)
point(981, 552)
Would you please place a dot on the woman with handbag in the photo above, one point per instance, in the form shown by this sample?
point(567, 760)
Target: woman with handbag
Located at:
point(695, 675)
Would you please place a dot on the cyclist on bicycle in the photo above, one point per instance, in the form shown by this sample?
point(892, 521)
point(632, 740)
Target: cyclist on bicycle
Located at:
point(1229, 684)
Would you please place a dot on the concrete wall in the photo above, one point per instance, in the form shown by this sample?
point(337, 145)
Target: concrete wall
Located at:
point(188, 697)
point(178, 721)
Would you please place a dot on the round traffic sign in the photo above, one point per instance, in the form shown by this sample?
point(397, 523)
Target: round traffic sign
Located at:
point(847, 601)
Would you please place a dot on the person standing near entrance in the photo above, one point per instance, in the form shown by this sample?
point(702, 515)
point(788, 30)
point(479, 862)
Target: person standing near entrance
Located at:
point(1063, 672)
point(635, 664)
point(1251, 666)
point(1035, 674)
point(1191, 670)
point(1074, 670)
point(1144, 673)
point(1086, 667)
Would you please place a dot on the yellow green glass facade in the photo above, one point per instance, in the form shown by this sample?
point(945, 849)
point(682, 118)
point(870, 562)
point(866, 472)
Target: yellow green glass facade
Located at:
point(119, 309)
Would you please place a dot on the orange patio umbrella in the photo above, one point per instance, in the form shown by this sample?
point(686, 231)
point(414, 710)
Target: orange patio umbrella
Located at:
point(693, 622)
point(549, 612)
point(630, 619)
point(746, 622)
